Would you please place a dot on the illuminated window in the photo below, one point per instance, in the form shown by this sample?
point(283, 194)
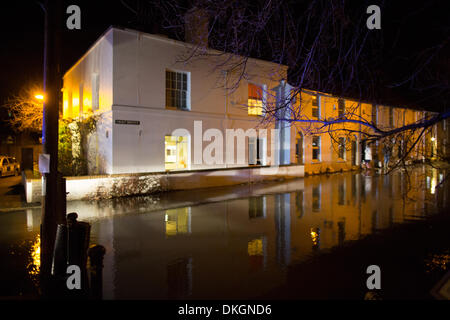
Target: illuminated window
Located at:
point(255, 100)
point(315, 107)
point(316, 148)
point(341, 107)
point(341, 148)
point(176, 152)
point(177, 90)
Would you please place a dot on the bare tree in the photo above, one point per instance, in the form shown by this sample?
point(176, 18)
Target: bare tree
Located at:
point(25, 109)
point(328, 48)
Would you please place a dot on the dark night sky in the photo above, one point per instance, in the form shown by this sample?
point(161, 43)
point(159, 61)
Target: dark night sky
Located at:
point(22, 25)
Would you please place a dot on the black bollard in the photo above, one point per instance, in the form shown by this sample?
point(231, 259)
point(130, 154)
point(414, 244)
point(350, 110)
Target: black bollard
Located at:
point(59, 264)
point(96, 254)
point(78, 236)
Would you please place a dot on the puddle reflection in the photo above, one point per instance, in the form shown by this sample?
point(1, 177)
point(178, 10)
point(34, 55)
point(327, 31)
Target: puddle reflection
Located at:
point(237, 242)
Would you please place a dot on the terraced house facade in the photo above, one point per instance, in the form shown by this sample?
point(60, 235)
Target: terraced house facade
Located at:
point(345, 146)
point(156, 111)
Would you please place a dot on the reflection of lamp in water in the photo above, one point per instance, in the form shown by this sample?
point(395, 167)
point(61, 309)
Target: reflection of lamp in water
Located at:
point(35, 264)
point(315, 237)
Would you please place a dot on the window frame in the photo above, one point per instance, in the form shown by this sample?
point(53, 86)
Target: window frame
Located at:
point(263, 99)
point(315, 107)
point(317, 147)
point(174, 98)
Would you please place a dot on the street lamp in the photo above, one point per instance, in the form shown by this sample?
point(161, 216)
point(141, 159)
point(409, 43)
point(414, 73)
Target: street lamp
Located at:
point(39, 96)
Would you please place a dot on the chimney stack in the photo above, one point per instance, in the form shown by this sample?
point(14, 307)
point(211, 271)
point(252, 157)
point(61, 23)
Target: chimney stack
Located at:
point(196, 27)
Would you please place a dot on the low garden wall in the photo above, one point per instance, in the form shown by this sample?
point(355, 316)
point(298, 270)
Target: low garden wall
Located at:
point(120, 185)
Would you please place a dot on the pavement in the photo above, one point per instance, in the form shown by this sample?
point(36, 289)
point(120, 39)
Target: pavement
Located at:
point(12, 195)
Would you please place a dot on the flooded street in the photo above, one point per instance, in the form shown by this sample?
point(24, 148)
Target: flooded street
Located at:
point(226, 243)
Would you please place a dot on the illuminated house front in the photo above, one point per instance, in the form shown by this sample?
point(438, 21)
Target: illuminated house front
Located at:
point(151, 102)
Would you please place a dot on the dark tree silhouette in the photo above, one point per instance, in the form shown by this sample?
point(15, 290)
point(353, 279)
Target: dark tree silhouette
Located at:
point(328, 48)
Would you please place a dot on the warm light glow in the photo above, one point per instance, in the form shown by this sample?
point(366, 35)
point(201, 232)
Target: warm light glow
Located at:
point(433, 182)
point(65, 107)
point(176, 152)
point(35, 264)
point(86, 103)
point(255, 107)
point(39, 97)
point(433, 138)
point(177, 221)
point(255, 247)
point(315, 237)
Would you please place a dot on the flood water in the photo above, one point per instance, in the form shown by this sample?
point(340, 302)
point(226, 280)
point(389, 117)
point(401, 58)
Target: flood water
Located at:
point(227, 243)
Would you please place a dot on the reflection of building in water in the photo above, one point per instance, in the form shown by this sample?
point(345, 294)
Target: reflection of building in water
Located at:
point(374, 220)
point(257, 207)
point(391, 216)
point(227, 243)
point(178, 221)
point(341, 192)
point(299, 203)
point(341, 231)
point(354, 186)
point(283, 227)
point(179, 278)
point(29, 220)
point(257, 253)
point(317, 198)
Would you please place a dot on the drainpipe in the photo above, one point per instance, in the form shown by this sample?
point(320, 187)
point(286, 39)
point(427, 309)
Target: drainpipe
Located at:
point(358, 145)
point(225, 73)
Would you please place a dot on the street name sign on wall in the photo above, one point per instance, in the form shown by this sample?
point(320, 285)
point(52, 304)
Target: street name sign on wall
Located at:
point(134, 122)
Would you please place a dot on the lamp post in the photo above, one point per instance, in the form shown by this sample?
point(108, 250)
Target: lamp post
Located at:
point(51, 216)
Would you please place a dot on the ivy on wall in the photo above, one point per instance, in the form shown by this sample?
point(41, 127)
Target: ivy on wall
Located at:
point(72, 146)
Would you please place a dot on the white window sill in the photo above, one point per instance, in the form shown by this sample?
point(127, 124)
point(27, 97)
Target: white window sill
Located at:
point(177, 109)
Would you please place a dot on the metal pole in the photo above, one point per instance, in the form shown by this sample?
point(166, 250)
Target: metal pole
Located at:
point(52, 88)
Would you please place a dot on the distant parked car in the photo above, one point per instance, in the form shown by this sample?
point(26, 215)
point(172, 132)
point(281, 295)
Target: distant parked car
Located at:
point(9, 166)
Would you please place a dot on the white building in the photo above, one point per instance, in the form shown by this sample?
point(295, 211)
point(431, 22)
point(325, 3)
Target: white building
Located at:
point(152, 102)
